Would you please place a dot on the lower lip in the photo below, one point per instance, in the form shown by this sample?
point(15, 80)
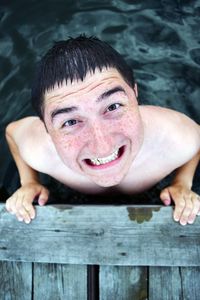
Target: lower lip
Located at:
point(109, 164)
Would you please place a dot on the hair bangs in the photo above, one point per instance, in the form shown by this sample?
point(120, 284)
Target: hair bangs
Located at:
point(71, 60)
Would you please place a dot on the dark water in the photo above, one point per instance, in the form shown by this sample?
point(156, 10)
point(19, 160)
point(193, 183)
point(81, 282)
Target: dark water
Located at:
point(159, 39)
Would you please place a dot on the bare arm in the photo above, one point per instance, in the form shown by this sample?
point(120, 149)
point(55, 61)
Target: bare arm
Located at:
point(187, 203)
point(20, 203)
point(27, 174)
point(185, 174)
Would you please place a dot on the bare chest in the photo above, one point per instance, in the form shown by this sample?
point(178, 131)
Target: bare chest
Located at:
point(143, 174)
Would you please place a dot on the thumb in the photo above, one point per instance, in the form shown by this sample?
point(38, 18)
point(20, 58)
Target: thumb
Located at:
point(43, 198)
point(165, 196)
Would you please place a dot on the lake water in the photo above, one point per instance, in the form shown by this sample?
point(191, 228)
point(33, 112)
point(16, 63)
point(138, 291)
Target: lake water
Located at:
point(159, 39)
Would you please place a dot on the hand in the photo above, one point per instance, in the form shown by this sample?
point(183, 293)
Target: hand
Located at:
point(187, 203)
point(20, 203)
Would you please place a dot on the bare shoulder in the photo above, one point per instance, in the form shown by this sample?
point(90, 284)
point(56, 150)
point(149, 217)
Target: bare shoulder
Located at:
point(20, 128)
point(167, 115)
point(169, 119)
point(179, 133)
point(33, 141)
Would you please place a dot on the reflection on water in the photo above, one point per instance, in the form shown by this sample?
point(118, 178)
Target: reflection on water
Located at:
point(160, 40)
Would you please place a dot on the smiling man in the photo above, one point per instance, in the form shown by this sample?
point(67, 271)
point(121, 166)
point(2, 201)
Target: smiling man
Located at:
point(92, 135)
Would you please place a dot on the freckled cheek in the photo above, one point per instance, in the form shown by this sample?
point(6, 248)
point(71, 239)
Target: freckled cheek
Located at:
point(133, 131)
point(68, 144)
point(130, 126)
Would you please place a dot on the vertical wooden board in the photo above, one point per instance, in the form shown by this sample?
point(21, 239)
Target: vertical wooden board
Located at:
point(190, 282)
point(165, 283)
point(15, 280)
point(123, 283)
point(60, 282)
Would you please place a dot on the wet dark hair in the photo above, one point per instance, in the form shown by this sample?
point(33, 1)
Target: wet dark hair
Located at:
point(71, 60)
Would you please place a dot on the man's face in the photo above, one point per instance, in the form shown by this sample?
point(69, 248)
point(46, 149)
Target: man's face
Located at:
point(95, 125)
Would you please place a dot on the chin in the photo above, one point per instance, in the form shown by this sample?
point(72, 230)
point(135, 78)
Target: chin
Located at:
point(107, 182)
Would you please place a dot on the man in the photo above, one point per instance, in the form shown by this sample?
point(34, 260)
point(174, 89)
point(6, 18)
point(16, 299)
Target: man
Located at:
point(92, 135)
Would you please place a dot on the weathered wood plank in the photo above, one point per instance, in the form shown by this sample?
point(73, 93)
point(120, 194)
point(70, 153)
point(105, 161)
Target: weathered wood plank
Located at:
point(56, 281)
point(15, 281)
point(190, 277)
point(165, 283)
point(169, 283)
point(103, 235)
point(117, 283)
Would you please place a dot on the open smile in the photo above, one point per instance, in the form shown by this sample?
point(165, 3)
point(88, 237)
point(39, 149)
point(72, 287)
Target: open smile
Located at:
point(106, 161)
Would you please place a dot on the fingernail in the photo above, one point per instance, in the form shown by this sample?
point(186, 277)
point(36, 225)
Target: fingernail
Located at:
point(20, 219)
point(190, 221)
point(183, 223)
point(166, 202)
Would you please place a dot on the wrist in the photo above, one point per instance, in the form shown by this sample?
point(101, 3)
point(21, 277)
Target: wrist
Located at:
point(184, 183)
point(26, 181)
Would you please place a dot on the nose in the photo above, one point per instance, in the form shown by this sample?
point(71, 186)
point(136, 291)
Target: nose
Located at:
point(100, 143)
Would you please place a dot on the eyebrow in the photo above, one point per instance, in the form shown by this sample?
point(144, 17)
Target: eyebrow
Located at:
point(103, 96)
point(62, 111)
point(110, 92)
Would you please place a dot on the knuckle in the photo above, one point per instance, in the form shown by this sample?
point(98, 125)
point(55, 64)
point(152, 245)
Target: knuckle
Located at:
point(28, 208)
point(27, 205)
point(18, 208)
point(187, 212)
point(22, 212)
point(181, 205)
point(184, 216)
point(189, 207)
point(196, 202)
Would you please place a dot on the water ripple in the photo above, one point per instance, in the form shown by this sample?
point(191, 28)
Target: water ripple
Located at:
point(159, 39)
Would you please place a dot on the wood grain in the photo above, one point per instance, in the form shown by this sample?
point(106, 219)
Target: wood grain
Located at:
point(56, 281)
point(117, 283)
point(102, 235)
point(15, 280)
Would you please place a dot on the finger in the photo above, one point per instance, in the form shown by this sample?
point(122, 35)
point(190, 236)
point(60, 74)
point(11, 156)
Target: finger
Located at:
point(25, 215)
point(21, 209)
point(8, 208)
point(196, 208)
point(186, 211)
point(179, 207)
point(29, 208)
point(11, 204)
point(19, 217)
point(165, 196)
point(43, 198)
point(19, 200)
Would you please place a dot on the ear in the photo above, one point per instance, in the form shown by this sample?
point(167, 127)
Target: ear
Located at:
point(135, 90)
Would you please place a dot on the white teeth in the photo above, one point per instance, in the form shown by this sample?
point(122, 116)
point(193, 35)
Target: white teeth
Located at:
point(104, 160)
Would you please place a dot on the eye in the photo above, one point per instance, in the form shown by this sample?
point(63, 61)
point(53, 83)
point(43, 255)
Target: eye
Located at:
point(113, 106)
point(70, 123)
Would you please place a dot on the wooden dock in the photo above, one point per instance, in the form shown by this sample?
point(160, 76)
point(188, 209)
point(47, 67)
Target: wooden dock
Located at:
point(99, 252)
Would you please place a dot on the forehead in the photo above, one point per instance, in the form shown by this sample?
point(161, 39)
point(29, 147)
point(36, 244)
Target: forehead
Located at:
point(92, 83)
